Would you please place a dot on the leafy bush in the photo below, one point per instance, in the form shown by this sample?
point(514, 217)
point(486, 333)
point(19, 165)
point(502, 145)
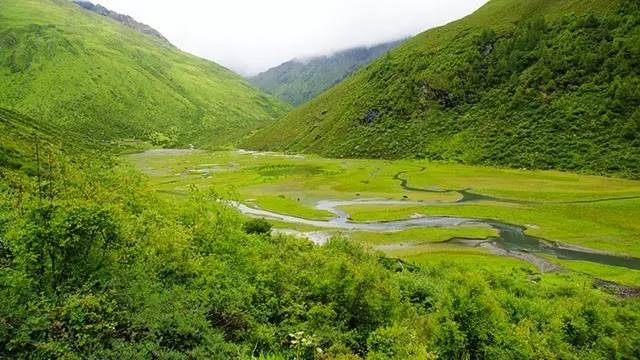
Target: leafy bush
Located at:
point(257, 226)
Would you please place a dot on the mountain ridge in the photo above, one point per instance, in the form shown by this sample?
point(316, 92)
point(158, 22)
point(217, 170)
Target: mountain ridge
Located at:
point(300, 79)
point(126, 20)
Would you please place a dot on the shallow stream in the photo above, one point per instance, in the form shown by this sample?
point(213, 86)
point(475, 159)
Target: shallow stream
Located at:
point(512, 239)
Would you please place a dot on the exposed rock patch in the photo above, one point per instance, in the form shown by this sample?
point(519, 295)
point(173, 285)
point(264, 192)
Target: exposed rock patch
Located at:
point(616, 289)
point(371, 117)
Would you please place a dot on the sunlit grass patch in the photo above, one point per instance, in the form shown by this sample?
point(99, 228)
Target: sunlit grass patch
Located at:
point(290, 206)
point(471, 258)
point(610, 273)
point(422, 235)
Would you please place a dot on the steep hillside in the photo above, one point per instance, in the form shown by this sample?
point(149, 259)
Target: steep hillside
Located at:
point(22, 137)
point(298, 81)
point(535, 84)
point(90, 74)
point(123, 19)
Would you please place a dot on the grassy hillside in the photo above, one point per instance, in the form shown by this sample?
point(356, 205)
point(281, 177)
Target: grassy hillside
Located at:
point(298, 81)
point(87, 73)
point(535, 84)
point(121, 18)
point(18, 137)
point(24, 141)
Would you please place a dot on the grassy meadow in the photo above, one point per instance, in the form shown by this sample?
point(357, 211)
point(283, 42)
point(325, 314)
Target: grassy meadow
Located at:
point(598, 213)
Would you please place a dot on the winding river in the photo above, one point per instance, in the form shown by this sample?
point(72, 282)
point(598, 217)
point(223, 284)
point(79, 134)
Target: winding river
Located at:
point(512, 240)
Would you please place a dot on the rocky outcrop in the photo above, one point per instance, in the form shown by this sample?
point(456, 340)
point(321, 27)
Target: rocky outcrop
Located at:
point(442, 96)
point(125, 20)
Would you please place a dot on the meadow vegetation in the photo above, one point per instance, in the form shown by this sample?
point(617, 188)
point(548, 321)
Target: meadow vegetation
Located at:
point(96, 265)
point(591, 211)
point(109, 252)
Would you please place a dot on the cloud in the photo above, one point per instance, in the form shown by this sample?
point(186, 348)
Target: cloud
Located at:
point(250, 36)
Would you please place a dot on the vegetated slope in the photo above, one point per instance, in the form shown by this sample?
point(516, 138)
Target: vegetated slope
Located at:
point(535, 84)
point(19, 137)
point(90, 74)
point(298, 81)
point(121, 18)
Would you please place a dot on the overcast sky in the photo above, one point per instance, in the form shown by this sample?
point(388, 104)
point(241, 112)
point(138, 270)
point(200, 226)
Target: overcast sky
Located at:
point(250, 36)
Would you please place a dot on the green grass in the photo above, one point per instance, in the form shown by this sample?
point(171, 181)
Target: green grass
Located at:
point(291, 185)
point(93, 264)
point(419, 236)
point(308, 178)
point(18, 137)
point(25, 141)
point(472, 258)
point(611, 273)
point(499, 87)
point(91, 75)
point(609, 226)
point(179, 278)
point(549, 186)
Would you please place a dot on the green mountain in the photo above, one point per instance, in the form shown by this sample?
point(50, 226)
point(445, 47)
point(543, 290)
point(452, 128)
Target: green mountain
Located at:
point(532, 84)
point(122, 18)
point(89, 74)
point(298, 81)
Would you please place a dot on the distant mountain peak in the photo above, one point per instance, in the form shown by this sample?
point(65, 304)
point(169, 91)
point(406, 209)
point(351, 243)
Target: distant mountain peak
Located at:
point(125, 20)
point(361, 49)
point(301, 79)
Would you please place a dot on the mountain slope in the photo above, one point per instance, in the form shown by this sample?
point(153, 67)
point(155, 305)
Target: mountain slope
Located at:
point(298, 81)
point(123, 19)
point(20, 136)
point(89, 74)
point(536, 84)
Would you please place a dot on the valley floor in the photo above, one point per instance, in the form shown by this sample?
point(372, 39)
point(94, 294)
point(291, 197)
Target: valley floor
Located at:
point(426, 212)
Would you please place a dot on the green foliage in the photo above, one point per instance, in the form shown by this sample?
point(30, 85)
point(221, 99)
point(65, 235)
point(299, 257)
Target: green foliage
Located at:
point(397, 342)
point(557, 89)
point(24, 141)
point(257, 226)
point(164, 140)
point(61, 244)
point(105, 269)
point(85, 73)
